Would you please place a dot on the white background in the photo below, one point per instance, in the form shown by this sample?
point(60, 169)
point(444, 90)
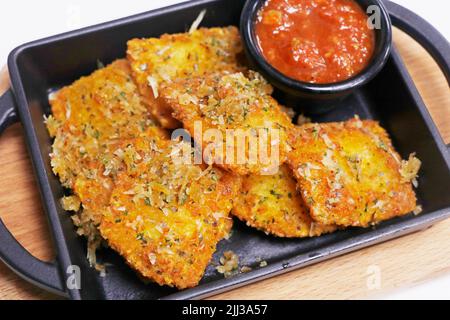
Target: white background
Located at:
point(26, 20)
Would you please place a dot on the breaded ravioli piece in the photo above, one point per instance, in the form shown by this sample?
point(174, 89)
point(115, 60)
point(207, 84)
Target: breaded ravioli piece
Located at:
point(167, 218)
point(272, 204)
point(89, 118)
point(92, 114)
point(349, 173)
point(242, 128)
point(157, 61)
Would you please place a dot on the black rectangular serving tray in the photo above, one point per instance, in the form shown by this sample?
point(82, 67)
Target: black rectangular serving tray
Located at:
point(39, 67)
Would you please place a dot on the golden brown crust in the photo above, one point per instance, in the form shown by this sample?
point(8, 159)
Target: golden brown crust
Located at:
point(349, 173)
point(271, 203)
point(88, 119)
point(236, 105)
point(156, 61)
point(167, 217)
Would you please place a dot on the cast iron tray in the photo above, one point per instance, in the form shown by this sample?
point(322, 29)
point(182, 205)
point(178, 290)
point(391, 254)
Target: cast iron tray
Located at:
point(41, 66)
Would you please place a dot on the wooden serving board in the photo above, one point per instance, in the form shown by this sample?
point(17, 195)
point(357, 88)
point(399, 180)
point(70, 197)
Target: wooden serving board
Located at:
point(363, 274)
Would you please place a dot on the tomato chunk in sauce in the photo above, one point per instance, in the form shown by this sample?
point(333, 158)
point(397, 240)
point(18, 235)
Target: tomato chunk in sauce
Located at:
point(316, 41)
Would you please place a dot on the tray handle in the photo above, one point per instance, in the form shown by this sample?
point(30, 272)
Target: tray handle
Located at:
point(425, 34)
point(12, 253)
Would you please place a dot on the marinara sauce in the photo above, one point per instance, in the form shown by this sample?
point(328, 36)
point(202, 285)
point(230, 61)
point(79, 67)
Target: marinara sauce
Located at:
point(316, 41)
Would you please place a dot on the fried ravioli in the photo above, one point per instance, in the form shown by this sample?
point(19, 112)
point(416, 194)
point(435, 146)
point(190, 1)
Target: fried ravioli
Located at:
point(90, 115)
point(88, 119)
point(243, 128)
point(157, 61)
point(167, 217)
point(349, 173)
point(272, 204)
point(164, 218)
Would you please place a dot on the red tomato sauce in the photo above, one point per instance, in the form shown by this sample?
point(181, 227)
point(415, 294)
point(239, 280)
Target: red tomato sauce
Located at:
point(316, 41)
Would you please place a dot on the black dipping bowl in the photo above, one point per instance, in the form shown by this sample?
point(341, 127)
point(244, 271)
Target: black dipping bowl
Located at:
point(310, 97)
